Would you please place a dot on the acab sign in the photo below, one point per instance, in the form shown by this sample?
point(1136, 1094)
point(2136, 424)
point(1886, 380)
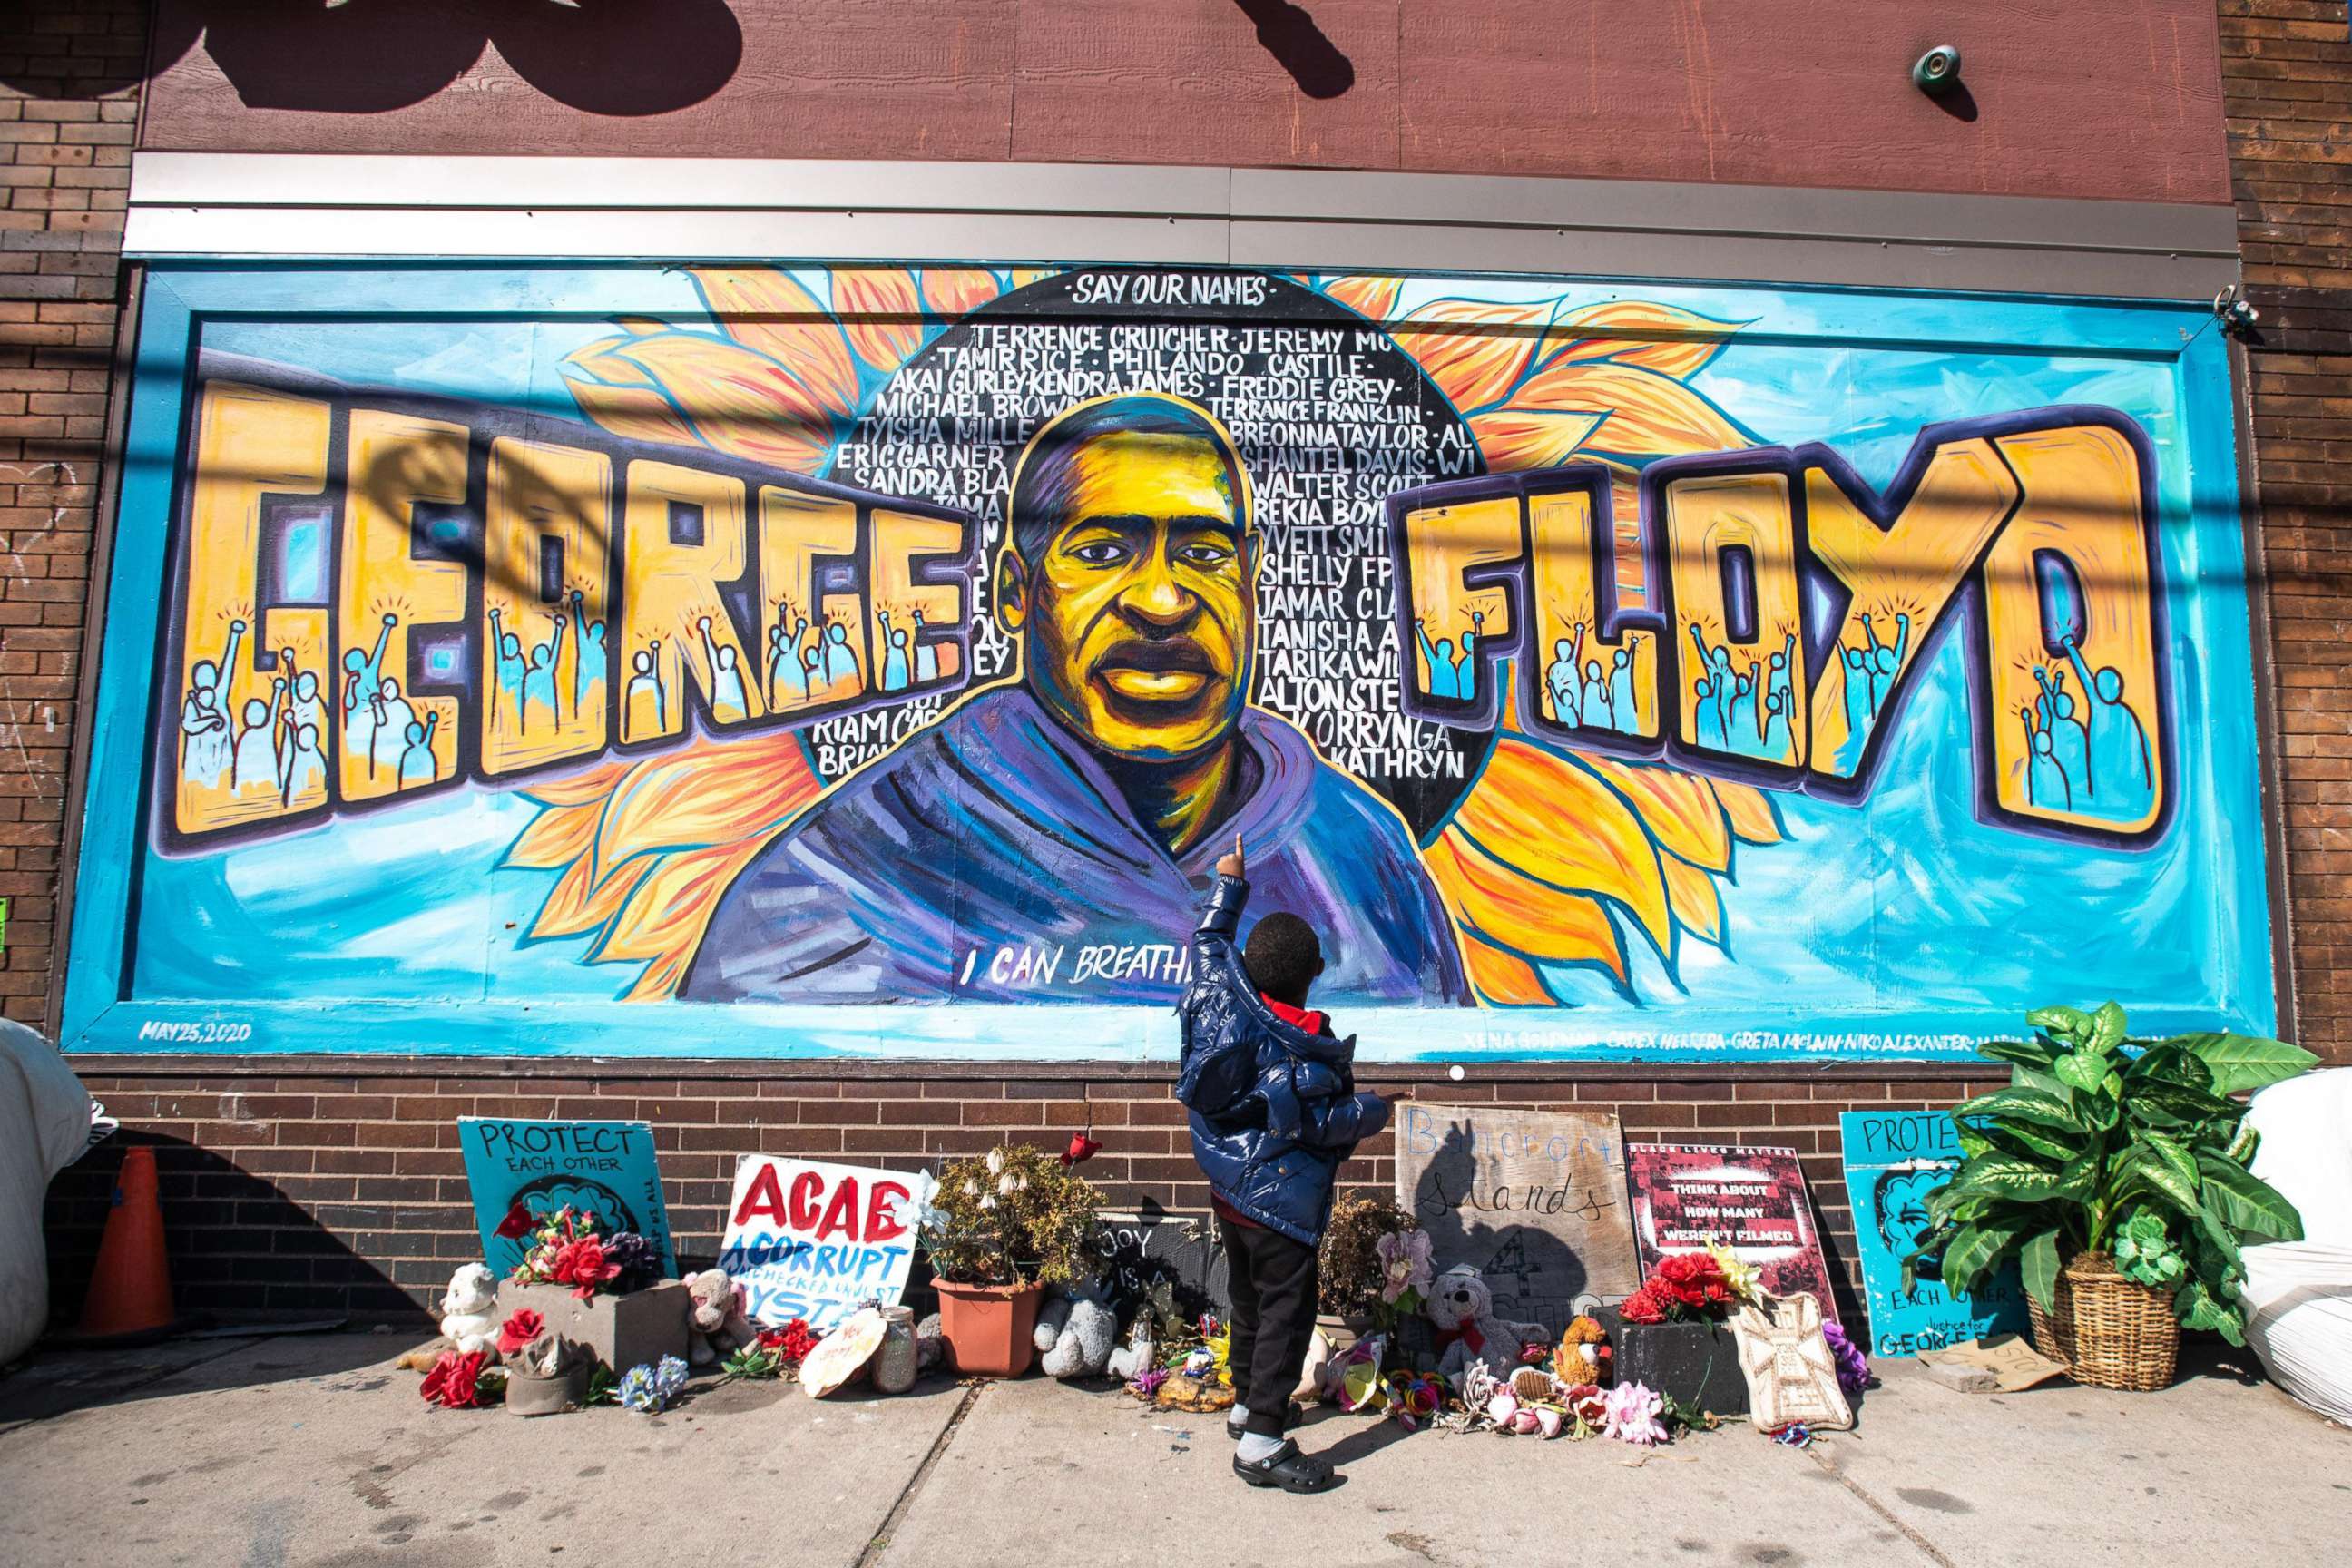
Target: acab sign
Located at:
point(815, 1241)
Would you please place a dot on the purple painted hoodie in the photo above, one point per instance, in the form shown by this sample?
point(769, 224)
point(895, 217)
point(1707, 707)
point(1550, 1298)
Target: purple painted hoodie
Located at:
point(991, 859)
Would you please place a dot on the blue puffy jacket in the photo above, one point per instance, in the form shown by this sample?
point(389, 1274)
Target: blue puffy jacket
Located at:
point(1274, 1109)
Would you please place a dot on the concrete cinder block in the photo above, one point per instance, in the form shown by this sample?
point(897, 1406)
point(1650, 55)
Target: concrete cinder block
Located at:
point(622, 1332)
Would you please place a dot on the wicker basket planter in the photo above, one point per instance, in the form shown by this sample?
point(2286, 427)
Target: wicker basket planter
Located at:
point(2111, 1331)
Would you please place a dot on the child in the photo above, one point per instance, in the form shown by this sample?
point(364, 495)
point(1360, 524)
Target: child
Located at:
point(1274, 1111)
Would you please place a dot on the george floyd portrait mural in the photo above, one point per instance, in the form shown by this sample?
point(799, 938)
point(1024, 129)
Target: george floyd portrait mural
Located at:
point(776, 660)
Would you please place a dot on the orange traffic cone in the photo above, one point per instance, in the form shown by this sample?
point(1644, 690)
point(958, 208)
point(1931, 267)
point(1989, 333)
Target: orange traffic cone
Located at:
point(131, 1289)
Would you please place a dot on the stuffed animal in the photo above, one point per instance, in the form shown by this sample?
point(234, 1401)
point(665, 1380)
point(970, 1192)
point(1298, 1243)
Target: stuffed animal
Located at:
point(1077, 1332)
point(1139, 1354)
point(715, 1322)
point(470, 1311)
point(931, 1345)
point(1461, 1310)
point(1310, 1376)
point(1585, 1346)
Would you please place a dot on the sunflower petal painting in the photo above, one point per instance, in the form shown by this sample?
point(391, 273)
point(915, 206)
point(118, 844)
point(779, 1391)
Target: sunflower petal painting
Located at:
point(888, 654)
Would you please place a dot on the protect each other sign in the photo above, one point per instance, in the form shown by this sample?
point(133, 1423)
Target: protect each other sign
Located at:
point(813, 1241)
point(604, 1168)
point(1893, 1160)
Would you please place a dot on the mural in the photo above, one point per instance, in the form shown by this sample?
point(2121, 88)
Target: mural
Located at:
point(1603, 669)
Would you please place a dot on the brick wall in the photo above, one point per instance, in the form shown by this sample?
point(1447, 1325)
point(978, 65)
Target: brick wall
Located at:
point(66, 126)
point(336, 1184)
point(2287, 72)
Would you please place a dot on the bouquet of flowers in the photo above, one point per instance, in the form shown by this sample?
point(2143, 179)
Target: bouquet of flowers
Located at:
point(773, 1353)
point(565, 1248)
point(648, 1390)
point(1353, 1273)
point(1691, 1288)
point(463, 1382)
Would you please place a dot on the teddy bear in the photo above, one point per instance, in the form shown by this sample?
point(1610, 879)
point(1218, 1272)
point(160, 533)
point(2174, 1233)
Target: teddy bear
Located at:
point(715, 1322)
point(1077, 1332)
point(1138, 1355)
point(1584, 1355)
point(1461, 1310)
point(470, 1311)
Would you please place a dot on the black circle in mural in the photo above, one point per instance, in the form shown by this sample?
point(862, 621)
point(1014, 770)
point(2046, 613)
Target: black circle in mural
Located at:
point(1331, 417)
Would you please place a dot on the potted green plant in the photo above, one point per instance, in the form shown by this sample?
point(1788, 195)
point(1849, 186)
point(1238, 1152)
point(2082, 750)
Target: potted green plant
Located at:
point(1001, 1228)
point(2115, 1171)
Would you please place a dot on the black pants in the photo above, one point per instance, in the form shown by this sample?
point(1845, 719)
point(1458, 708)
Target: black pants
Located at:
point(1275, 1286)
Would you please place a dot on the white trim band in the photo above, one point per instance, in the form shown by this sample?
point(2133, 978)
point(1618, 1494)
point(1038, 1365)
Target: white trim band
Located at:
point(290, 205)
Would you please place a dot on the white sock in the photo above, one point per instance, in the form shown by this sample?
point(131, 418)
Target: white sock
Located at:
point(1256, 1449)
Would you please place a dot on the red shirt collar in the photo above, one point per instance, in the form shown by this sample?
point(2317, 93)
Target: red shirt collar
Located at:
point(1296, 1017)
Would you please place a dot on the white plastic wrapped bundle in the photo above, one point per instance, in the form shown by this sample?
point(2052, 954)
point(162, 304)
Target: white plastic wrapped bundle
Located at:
point(2298, 1295)
point(44, 1125)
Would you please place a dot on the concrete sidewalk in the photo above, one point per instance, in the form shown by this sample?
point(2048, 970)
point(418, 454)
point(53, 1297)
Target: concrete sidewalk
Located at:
point(298, 1451)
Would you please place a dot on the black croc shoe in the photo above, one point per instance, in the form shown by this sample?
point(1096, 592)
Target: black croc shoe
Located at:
point(1290, 1420)
point(1288, 1469)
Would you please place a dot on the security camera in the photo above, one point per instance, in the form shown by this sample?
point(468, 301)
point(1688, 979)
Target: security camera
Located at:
point(1937, 70)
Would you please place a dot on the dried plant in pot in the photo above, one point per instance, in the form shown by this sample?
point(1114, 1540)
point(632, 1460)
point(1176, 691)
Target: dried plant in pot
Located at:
point(2115, 1171)
point(1356, 1293)
point(999, 1229)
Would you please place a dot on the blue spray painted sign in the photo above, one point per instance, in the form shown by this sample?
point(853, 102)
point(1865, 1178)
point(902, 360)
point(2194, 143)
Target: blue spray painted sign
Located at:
point(605, 1168)
point(1894, 1158)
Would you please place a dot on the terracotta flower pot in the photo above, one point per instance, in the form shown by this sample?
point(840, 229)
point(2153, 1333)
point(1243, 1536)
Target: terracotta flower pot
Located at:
point(989, 1327)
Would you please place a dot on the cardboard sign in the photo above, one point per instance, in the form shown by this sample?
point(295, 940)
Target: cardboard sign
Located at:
point(815, 1241)
point(2011, 1359)
point(1753, 1201)
point(1894, 1158)
point(1136, 1250)
point(608, 1168)
point(1534, 1200)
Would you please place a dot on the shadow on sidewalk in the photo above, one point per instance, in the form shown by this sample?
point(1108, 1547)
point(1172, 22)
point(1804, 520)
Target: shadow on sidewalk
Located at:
point(52, 1381)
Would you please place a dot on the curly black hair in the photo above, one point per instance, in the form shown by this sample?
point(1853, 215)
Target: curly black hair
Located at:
point(1282, 957)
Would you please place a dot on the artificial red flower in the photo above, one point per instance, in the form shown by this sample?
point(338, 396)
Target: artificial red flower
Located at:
point(792, 1344)
point(1530, 1351)
point(1642, 1307)
point(454, 1381)
point(1588, 1403)
point(519, 1330)
point(1690, 1283)
point(583, 1266)
point(1082, 1148)
point(518, 1222)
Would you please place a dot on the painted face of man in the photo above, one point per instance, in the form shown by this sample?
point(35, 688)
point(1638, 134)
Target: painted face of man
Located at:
point(1903, 1206)
point(1136, 619)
